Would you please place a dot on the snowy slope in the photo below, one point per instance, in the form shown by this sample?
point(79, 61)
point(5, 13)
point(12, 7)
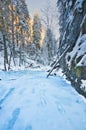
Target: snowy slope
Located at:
point(30, 101)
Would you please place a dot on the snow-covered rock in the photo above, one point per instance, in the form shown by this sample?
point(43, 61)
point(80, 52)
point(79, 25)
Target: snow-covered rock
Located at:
point(73, 33)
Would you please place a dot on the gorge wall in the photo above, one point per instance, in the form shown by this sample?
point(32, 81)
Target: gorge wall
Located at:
point(72, 22)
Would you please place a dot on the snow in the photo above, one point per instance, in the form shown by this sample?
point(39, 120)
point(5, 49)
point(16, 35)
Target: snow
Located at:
point(83, 21)
point(78, 5)
point(70, 3)
point(83, 85)
point(82, 62)
point(28, 64)
point(78, 50)
point(30, 101)
point(70, 18)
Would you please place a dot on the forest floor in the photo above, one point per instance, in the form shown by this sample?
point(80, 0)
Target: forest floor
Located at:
point(30, 101)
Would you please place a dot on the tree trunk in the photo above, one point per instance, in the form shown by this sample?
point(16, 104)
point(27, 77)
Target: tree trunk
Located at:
point(5, 53)
point(13, 42)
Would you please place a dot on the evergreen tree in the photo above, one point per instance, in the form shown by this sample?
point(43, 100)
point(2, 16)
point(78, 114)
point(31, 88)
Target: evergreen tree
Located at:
point(14, 26)
point(49, 46)
point(37, 30)
point(3, 28)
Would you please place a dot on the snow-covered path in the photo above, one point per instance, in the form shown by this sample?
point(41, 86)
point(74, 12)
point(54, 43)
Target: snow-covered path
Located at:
point(30, 101)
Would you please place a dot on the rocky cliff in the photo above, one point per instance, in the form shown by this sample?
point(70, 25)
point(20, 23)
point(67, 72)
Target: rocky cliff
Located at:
point(72, 22)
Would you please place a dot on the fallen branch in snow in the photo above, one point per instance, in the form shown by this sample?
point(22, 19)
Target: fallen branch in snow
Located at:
point(57, 62)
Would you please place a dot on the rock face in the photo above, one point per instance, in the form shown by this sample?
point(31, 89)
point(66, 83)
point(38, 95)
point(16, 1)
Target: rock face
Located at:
point(73, 33)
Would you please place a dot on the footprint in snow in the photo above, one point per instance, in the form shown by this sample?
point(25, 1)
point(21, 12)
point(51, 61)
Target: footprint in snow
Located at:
point(13, 119)
point(29, 127)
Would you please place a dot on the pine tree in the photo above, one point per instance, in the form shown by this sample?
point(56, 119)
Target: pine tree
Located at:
point(14, 17)
point(49, 46)
point(3, 25)
point(37, 30)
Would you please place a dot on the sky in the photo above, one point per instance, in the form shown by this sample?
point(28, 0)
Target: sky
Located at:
point(37, 5)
